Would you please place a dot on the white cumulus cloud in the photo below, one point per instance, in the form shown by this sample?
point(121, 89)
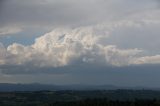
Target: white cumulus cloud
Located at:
point(62, 47)
point(69, 46)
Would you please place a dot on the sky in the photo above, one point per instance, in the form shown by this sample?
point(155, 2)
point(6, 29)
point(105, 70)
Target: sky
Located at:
point(96, 42)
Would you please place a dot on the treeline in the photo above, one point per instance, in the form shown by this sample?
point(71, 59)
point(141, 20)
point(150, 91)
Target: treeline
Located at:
point(106, 102)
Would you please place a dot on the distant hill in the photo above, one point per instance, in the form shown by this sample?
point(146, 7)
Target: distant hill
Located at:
point(39, 87)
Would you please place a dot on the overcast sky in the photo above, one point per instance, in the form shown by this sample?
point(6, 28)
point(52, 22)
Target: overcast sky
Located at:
point(80, 42)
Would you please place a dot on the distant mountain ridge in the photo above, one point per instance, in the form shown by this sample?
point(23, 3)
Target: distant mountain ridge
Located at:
point(38, 87)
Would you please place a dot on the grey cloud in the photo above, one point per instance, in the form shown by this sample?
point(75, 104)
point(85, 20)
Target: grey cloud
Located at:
point(144, 35)
point(143, 75)
point(49, 14)
point(140, 75)
point(52, 13)
point(9, 30)
point(70, 12)
point(28, 70)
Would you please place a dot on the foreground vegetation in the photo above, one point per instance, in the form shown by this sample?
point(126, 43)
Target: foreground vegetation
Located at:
point(105, 102)
point(81, 98)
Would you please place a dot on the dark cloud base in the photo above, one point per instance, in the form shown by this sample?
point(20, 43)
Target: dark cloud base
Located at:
point(81, 68)
point(142, 75)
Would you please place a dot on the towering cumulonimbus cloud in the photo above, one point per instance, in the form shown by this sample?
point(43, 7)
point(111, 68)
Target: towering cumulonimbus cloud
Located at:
point(69, 46)
point(62, 47)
